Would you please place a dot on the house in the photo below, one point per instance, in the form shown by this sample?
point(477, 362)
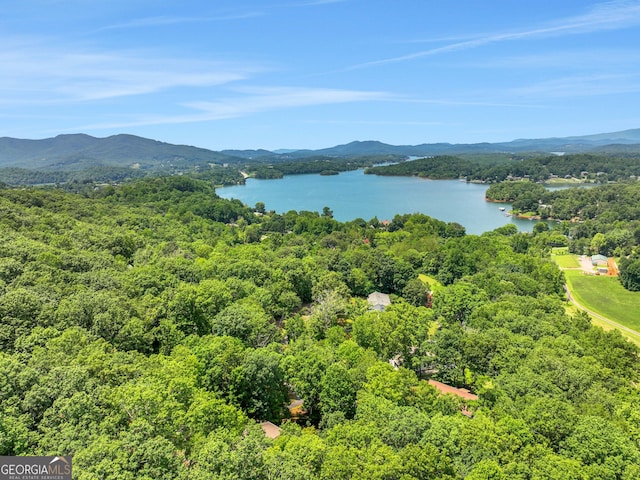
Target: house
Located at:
point(598, 260)
point(460, 392)
point(271, 430)
point(378, 301)
point(463, 393)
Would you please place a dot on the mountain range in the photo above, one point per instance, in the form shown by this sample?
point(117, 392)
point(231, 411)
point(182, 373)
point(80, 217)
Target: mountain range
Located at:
point(625, 140)
point(80, 151)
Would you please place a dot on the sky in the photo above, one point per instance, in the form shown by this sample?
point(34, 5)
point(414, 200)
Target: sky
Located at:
point(247, 74)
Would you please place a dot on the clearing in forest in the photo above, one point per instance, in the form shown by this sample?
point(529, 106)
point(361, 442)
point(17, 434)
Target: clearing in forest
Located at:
point(606, 296)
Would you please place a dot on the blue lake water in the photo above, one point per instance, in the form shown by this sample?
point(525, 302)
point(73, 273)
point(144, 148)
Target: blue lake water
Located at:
point(354, 195)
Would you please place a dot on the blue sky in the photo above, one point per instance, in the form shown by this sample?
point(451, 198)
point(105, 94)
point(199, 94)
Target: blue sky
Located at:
point(317, 73)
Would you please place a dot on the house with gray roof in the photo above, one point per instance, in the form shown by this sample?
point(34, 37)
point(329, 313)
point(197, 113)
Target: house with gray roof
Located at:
point(378, 301)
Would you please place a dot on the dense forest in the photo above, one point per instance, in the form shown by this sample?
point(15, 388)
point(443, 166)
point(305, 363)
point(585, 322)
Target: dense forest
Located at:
point(148, 328)
point(600, 220)
point(315, 164)
point(437, 168)
point(25, 176)
point(604, 219)
point(263, 167)
point(594, 168)
point(225, 169)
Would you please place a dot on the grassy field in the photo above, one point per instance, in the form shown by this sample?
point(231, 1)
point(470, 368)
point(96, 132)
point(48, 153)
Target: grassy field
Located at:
point(563, 181)
point(566, 261)
point(571, 310)
point(606, 296)
point(435, 284)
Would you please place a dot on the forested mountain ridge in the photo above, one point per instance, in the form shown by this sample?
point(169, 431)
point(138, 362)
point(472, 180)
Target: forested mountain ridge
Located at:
point(79, 157)
point(72, 151)
point(573, 144)
point(124, 150)
point(585, 167)
point(147, 327)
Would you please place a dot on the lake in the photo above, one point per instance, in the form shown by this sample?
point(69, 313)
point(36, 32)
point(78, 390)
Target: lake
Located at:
point(354, 195)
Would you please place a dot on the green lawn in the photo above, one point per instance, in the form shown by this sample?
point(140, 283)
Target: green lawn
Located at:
point(435, 284)
point(606, 296)
point(566, 261)
point(571, 310)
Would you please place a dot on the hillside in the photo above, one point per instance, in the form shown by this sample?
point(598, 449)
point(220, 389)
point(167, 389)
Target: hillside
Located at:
point(124, 150)
point(575, 144)
point(78, 151)
point(83, 157)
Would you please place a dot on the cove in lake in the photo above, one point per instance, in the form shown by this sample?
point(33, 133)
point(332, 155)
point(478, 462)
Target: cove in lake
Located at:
point(354, 195)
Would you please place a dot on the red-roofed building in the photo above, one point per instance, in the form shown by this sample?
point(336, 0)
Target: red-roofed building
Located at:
point(460, 392)
point(463, 393)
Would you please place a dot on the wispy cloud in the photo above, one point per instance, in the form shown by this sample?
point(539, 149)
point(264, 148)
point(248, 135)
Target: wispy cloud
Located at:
point(620, 58)
point(581, 86)
point(161, 21)
point(49, 75)
point(260, 99)
point(377, 122)
point(606, 16)
point(465, 103)
point(447, 38)
point(249, 101)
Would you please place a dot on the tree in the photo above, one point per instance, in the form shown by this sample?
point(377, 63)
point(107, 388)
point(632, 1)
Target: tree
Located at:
point(540, 227)
point(359, 282)
point(486, 470)
point(551, 418)
point(305, 364)
point(594, 441)
point(247, 321)
point(394, 385)
point(260, 385)
point(298, 274)
point(520, 242)
point(194, 306)
point(630, 273)
point(295, 455)
point(136, 453)
point(598, 242)
point(225, 455)
point(338, 392)
point(425, 461)
point(329, 307)
point(19, 312)
point(456, 303)
point(375, 330)
point(445, 355)
point(218, 357)
point(415, 292)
